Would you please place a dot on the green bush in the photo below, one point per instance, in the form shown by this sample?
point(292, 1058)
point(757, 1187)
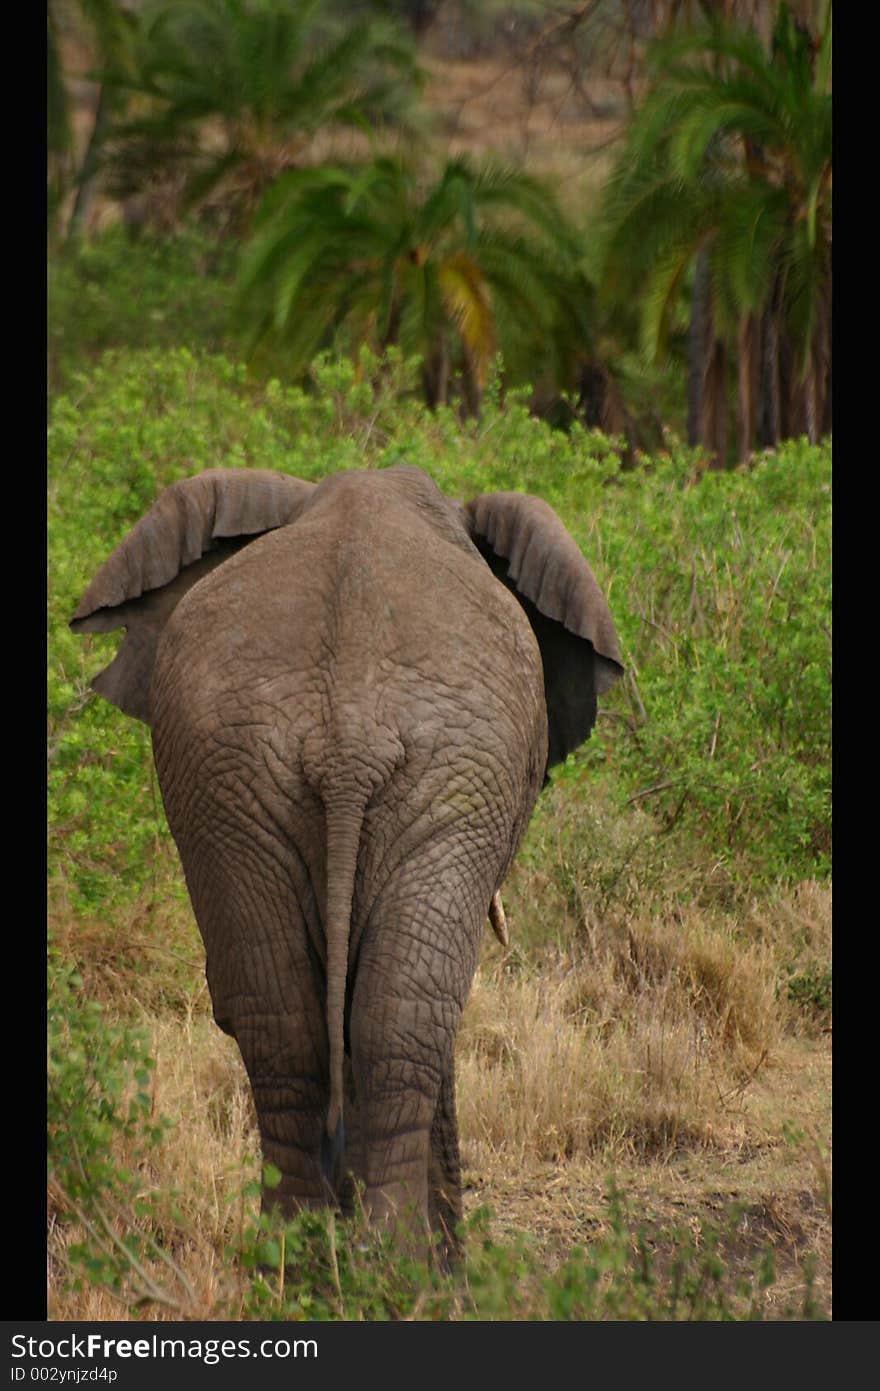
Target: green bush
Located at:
point(811, 990)
point(115, 292)
point(318, 1268)
point(722, 595)
point(101, 1134)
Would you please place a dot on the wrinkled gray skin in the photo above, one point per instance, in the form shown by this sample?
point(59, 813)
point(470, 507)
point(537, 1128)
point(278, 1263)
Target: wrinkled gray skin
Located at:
point(349, 695)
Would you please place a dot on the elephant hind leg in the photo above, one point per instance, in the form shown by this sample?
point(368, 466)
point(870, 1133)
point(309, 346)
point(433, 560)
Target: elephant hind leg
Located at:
point(445, 1210)
point(255, 906)
point(416, 961)
point(288, 1080)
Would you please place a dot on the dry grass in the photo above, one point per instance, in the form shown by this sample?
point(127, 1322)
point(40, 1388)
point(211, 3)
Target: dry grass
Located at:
point(656, 1047)
point(636, 1048)
point(198, 1171)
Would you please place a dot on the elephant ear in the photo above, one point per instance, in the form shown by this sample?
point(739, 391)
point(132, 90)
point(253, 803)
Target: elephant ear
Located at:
point(192, 527)
point(529, 550)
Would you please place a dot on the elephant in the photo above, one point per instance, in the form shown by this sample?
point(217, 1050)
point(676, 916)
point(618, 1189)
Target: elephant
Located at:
point(355, 690)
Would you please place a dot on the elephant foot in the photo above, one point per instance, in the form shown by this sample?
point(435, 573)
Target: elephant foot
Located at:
point(399, 1210)
point(448, 1247)
point(288, 1201)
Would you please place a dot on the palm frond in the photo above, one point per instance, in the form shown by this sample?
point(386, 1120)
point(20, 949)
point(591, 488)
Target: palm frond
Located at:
point(469, 304)
point(661, 297)
point(425, 267)
point(730, 152)
point(263, 79)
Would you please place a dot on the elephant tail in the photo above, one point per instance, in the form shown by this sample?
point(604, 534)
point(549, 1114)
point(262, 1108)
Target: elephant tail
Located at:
point(344, 823)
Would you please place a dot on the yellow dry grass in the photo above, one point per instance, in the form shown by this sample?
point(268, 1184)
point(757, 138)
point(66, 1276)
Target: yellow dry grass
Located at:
point(660, 1050)
point(633, 1049)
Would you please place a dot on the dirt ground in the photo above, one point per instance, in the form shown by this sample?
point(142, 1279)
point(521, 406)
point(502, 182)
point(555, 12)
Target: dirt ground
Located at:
point(777, 1180)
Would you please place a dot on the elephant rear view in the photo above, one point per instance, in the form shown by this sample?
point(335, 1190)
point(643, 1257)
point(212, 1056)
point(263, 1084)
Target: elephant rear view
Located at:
point(355, 690)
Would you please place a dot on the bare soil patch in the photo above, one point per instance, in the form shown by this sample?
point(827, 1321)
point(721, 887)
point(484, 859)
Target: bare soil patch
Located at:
point(771, 1191)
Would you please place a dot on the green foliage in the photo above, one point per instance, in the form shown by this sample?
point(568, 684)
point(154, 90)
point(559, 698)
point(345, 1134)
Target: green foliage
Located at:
point(92, 1065)
point(729, 147)
point(110, 29)
point(99, 1107)
point(810, 990)
point(262, 77)
point(318, 1268)
point(447, 270)
point(729, 158)
point(115, 292)
point(724, 607)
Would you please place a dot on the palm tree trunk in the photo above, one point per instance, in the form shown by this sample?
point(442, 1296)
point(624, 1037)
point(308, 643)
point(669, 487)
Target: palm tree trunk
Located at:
point(391, 336)
point(435, 374)
point(792, 414)
point(826, 416)
point(699, 337)
point(88, 173)
point(810, 411)
point(715, 428)
point(470, 386)
point(770, 408)
point(707, 371)
point(822, 347)
point(747, 363)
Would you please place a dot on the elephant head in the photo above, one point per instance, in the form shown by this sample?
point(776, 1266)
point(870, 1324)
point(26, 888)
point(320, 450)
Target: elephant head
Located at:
point(355, 690)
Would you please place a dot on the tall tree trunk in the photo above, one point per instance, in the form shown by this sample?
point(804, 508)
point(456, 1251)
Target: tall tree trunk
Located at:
point(391, 336)
point(747, 385)
point(810, 411)
point(822, 365)
point(471, 389)
point(791, 396)
point(88, 173)
point(715, 427)
point(435, 374)
point(707, 370)
point(770, 407)
point(826, 417)
point(699, 340)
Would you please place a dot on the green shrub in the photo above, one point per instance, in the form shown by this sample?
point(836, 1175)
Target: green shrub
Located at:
point(114, 292)
point(811, 991)
point(101, 1134)
point(721, 592)
point(319, 1268)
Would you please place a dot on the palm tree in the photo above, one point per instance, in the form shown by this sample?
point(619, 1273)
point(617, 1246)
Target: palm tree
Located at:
point(110, 29)
point(235, 91)
point(451, 271)
point(725, 184)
